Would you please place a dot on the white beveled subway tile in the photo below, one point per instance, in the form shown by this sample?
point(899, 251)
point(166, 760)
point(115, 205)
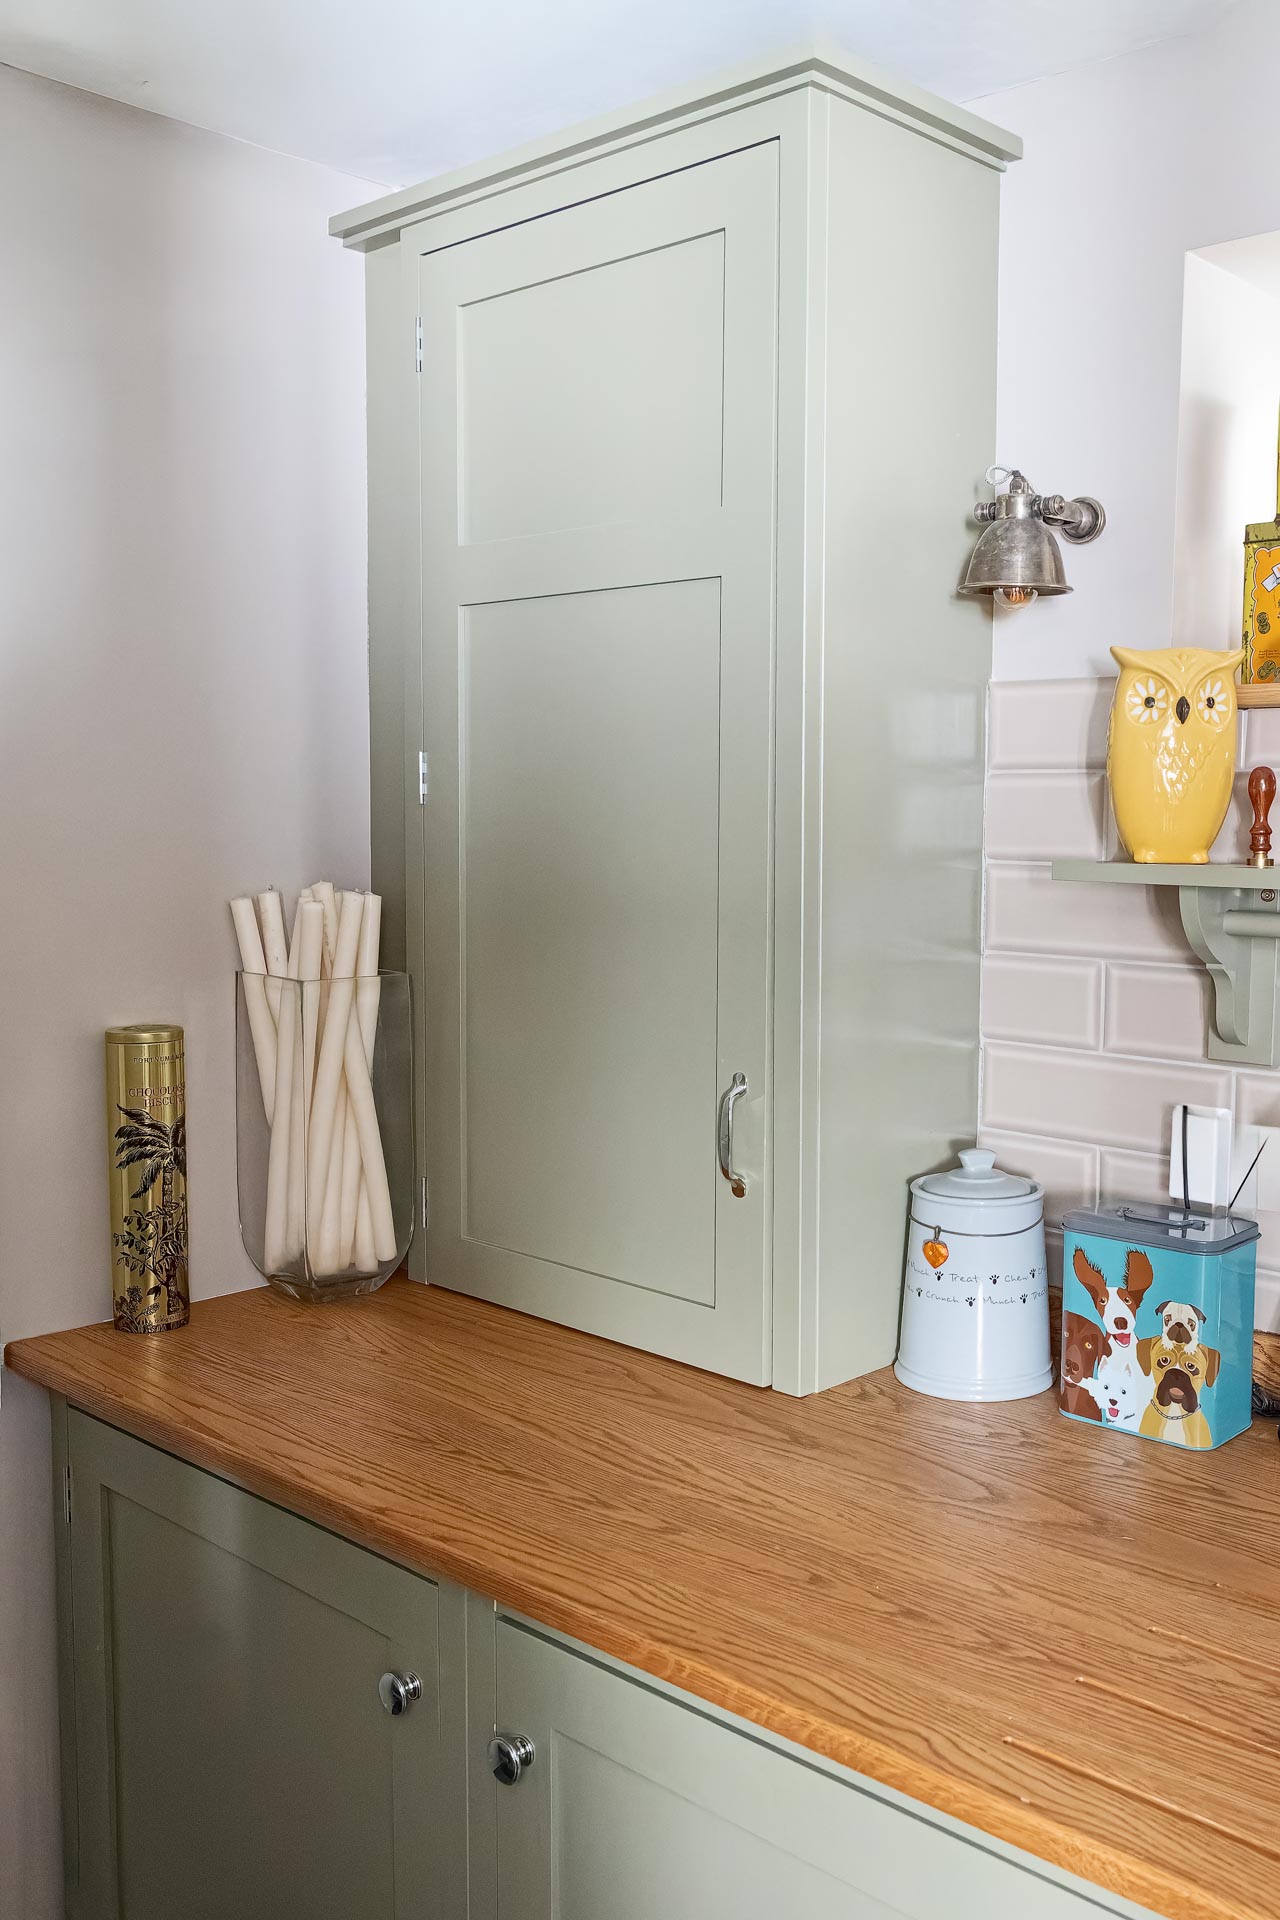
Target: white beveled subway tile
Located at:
point(1262, 740)
point(1045, 816)
point(1159, 1012)
point(1066, 1170)
point(1258, 1103)
point(1092, 1097)
point(1045, 1000)
point(1143, 1177)
point(1268, 1238)
point(1048, 723)
point(1027, 912)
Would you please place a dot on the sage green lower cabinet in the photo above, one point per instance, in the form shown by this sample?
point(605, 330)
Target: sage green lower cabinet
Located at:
point(227, 1755)
point(640, 1807)
point(233, 1758)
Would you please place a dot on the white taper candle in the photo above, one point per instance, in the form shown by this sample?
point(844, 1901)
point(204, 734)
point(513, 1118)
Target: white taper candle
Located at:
point(366, 1254)
point(322, 890)
point(275, 947)
point(276, 1248)
point(368, 994)
point(262, 1026)
point(360, 1093)
point(328, 1072)
point(327, 1258)
point(309, 940)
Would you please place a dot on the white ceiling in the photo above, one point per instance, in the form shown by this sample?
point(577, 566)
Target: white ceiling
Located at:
point(395, 90)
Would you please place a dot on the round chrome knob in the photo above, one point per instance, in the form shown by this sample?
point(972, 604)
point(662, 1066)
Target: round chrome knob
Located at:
point(398, 1691)
point(509, 1755)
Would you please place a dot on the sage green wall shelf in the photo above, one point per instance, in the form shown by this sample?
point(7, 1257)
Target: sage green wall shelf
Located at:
point(1231, 916)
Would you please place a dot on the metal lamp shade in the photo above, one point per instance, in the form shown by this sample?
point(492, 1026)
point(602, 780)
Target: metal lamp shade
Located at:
point(1016, 552)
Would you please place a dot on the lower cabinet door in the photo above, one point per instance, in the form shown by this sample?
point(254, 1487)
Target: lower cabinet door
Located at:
point(234, 1758)
point(636, 1807)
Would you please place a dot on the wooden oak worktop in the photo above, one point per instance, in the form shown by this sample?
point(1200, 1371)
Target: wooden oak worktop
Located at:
point(1067, 1638)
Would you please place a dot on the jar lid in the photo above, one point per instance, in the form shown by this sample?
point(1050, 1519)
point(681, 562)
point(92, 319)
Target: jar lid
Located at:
point(142, 1035)
point(976, 1178)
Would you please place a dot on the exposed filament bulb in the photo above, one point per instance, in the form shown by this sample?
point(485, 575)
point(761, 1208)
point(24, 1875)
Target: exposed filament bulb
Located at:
point(1015, 596)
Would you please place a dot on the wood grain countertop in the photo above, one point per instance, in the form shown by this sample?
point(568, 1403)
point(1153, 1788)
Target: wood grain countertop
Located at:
point(1066, 1638)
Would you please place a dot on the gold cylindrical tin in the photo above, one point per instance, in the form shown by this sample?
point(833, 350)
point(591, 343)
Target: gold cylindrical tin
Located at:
point(147, 1169)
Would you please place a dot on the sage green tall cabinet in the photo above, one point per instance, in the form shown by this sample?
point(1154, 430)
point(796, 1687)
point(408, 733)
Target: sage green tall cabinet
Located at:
point(675, 426)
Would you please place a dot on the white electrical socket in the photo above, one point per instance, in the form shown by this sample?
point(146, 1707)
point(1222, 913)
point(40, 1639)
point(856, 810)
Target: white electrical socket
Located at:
point(1208, 1182)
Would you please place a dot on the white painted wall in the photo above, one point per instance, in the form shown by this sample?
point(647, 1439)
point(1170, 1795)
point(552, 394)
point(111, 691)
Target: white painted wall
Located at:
point(1129, 165)
point(183, 709)
point(1230, 388)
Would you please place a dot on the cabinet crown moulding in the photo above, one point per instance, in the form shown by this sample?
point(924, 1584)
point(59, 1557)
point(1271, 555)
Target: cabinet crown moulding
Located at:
point(817, 64)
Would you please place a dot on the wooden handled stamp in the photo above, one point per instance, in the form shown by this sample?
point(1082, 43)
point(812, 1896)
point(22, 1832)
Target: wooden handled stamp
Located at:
point(1262, 791)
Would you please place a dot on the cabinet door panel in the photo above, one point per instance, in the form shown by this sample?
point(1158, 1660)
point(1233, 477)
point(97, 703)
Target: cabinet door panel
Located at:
point(589, 920)
point(233, 1754)
point(541, 395)
point(642, 1808)
point(597, 460)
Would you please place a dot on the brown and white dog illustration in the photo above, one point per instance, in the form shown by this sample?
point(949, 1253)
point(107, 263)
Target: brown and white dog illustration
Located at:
point(1182, 1323)
point(1083, 1345)
point(1117, 1306)
point(1179, 1376)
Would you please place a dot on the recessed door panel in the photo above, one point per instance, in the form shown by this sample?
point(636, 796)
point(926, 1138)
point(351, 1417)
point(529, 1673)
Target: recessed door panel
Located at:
point(233, 1754)
point(590, 857)
point(597, 435)
point(542, 401)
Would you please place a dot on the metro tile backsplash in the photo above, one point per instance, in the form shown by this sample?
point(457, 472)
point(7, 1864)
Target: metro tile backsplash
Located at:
point(1093, 1006)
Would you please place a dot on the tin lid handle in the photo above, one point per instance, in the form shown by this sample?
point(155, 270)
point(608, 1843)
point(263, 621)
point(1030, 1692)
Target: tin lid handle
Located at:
point(1176, 1222)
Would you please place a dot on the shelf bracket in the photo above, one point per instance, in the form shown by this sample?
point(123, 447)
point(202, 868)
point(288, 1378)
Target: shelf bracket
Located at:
point(1235, 931)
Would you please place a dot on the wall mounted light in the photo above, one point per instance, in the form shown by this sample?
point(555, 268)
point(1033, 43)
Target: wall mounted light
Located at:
point(1017, 557)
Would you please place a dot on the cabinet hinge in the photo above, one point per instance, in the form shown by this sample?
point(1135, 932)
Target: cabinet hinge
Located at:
point(66, 1495)
point(418, 343)
point(426, 1204)
point(423, 772)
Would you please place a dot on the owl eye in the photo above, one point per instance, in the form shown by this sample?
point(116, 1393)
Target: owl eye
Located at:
point(1147, 700)
point(1212, 702)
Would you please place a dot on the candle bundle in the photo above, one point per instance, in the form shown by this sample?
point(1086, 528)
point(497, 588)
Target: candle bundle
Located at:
point(312, 1003)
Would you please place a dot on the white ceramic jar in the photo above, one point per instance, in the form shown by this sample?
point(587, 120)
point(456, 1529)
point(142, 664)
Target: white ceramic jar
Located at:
point(975, 1305)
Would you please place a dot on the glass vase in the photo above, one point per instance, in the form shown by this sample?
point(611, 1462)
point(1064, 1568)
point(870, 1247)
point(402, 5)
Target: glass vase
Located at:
point(324, 1130)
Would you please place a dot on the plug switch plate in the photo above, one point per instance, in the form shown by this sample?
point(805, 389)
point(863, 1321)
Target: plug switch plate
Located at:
point(1208, 1182)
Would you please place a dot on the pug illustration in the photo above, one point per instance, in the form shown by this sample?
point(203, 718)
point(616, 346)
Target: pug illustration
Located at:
point(1181, 1323)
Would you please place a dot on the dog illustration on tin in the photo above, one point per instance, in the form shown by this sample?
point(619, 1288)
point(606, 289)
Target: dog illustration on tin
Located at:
point(1180, 1367)
point(1102, 1377)
point(1117, 1307)
point(1084, 1345)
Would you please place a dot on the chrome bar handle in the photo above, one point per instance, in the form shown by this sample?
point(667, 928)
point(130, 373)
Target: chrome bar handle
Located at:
point(724, 1134)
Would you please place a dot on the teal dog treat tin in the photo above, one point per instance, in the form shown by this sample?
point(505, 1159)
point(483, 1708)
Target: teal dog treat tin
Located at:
point(1157, 1322)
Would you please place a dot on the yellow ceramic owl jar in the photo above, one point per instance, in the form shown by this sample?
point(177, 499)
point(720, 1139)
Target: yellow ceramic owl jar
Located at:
point(1171, 750)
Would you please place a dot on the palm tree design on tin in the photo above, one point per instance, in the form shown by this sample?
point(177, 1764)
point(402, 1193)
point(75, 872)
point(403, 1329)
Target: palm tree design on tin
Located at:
point(154, 1240)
